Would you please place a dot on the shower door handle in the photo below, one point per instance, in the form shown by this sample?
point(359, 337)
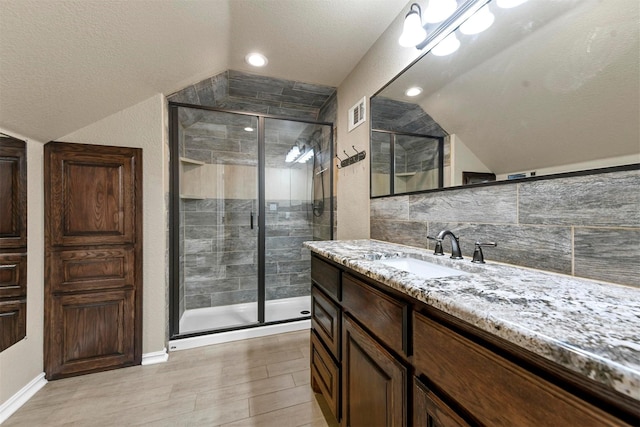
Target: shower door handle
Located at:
point(252, 220)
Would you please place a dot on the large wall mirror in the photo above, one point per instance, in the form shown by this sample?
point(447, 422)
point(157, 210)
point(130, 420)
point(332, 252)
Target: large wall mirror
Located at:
point(551, 86)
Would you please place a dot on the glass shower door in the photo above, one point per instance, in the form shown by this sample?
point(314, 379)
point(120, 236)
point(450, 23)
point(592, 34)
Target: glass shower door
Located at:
point(297, 209)
point(218, 208)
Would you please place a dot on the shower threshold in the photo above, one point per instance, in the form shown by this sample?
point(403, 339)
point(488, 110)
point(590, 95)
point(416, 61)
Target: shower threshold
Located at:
point(229, 316)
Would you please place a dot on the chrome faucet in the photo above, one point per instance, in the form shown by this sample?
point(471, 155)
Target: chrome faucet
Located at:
point(455, 244)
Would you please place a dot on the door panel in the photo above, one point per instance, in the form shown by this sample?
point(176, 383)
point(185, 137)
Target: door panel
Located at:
point(88, 269)
point(94, 198)
point(93, 330)
point(93, 284)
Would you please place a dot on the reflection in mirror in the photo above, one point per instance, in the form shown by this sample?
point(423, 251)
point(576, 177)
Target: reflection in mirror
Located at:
point(550, 87)
point(13, 241)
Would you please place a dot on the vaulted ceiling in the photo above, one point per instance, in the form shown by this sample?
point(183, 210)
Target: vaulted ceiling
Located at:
point(65, 64)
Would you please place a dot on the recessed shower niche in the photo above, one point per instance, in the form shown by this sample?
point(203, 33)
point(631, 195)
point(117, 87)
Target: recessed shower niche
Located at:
point(247, 190)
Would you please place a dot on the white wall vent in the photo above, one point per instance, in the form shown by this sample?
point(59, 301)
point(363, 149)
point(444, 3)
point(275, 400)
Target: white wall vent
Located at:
point(358, 114)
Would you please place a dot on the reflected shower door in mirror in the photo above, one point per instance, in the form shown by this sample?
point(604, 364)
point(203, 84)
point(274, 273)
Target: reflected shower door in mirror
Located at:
point(416, 163)
point(547, 87)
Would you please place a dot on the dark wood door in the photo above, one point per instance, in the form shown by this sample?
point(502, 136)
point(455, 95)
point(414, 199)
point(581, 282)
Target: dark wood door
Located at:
point(374, 382)
point(93, 238)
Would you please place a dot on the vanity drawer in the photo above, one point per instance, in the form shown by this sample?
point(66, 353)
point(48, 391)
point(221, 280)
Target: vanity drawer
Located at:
point(326, 276)
point(13, 275)
point(384, 316)
point(494, 390)
point(325, 320)
point(325, 375)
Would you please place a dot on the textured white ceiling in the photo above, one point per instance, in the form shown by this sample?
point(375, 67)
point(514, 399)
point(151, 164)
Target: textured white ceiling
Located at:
point(66, 63)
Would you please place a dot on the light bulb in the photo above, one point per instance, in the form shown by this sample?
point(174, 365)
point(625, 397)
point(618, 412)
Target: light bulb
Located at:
point(447, 46)
point(412, 32)
point(508, 4)
point(478, 22)
point(439, 10)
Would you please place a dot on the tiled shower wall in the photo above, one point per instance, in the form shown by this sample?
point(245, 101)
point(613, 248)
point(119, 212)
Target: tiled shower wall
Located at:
point(220, 252)
point(587, 226)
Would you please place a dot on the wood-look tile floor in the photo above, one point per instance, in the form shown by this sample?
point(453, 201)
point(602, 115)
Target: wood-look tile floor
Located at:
point(255, 382)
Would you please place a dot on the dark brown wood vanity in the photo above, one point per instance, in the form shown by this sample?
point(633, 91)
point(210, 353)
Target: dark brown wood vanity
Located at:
point(382, 358)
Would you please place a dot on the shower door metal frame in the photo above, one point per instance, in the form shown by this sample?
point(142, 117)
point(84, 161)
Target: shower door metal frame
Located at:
point(174, 217)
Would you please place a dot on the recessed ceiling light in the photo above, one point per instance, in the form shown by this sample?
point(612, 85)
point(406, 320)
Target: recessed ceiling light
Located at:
point(413, 91)
point(256, 59)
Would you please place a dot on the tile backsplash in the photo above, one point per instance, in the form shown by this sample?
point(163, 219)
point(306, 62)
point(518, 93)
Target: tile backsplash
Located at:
point(587, 226)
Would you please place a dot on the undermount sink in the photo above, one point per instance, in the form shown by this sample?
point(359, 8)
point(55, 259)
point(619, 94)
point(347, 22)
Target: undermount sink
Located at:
point(425, 269)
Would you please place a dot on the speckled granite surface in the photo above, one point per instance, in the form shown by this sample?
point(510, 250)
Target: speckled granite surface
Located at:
point(588, 327)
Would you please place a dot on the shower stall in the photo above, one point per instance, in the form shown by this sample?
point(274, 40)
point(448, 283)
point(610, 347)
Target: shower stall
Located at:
point(246, 191)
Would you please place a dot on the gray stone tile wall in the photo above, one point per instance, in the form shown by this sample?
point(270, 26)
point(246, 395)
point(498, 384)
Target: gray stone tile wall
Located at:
point(389, 114)
point(587, 226)
point(239, 91)
point(220, 252)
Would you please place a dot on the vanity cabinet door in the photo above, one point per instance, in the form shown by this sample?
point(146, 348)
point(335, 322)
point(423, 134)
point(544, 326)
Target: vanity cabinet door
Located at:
point(13, 322)
point(430, 411)
point(374, 383)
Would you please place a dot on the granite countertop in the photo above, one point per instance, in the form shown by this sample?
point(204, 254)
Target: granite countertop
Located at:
point(588, 327)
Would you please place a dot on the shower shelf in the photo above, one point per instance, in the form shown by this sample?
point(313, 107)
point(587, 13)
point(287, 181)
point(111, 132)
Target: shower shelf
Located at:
point(191, 179)
point(405, 174)
point(191, 197)
point(189, 161)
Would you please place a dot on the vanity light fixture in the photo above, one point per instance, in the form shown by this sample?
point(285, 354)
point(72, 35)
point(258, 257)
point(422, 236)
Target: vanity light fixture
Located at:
point(508, 4)
point(413, 91)
point(299, 155)
point(447, 46)
point(248, 129)
point(256, 59)
point(413, 32)
point(439, 10)
point(305, 156)
point(293, 154)
point(480, 21)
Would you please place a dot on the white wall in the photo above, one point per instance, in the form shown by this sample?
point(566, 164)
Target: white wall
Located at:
point(23, 362)
point(143, 126)
point(383, 61)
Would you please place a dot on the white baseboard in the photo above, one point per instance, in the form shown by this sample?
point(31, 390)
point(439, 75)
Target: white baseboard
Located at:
point(14, 403)
point(155, 357)
point(193, 342)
